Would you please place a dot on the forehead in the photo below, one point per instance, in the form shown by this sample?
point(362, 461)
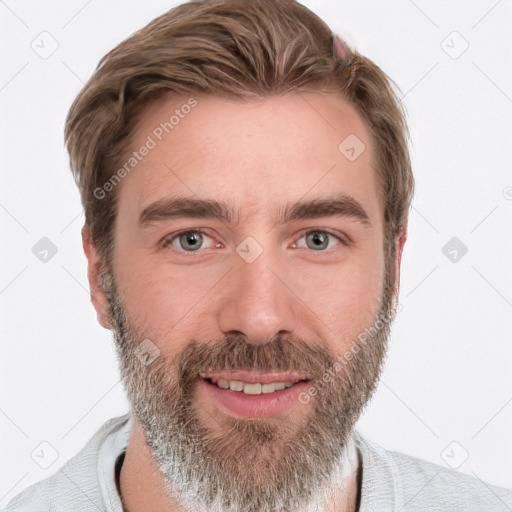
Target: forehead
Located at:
point(253, 154)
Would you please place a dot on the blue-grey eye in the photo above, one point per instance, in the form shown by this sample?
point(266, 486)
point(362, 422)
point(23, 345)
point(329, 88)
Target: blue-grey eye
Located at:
point(318, 239)
point(191, 240)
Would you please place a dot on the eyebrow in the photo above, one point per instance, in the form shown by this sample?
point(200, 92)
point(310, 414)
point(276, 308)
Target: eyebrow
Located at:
point(188, 207)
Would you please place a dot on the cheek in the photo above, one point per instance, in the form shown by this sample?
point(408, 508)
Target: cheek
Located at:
point(162, 299)
point(347, 296)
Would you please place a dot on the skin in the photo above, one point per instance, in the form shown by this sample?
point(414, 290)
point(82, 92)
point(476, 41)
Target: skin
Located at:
point(256, 155)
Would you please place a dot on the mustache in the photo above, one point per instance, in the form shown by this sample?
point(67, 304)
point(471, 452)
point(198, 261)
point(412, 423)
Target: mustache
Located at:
point(235, 352)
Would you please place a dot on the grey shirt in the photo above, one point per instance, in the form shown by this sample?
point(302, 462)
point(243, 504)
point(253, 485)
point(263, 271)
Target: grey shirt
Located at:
point(391, 481)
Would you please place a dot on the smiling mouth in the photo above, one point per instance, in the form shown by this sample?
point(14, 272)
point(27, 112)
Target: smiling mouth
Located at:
point(253, 388)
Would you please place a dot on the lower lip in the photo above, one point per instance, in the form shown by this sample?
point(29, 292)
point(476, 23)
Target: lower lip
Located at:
point(256, 406)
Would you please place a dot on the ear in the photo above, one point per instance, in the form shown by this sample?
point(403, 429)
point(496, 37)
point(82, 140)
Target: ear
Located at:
point(402, 237)
point(98, 298)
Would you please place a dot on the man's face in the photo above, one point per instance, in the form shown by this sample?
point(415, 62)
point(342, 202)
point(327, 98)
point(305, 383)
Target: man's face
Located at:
point(255, 292)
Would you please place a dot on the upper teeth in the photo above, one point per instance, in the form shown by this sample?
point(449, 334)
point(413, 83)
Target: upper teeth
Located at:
point(252, 388)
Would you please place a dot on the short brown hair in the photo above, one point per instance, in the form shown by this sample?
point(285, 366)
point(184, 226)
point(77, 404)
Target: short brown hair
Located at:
point(238, 48)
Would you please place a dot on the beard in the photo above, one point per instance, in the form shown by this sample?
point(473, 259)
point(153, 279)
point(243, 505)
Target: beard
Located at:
point(253, 464)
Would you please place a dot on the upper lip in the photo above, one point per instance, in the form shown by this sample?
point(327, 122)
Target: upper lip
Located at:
point(252, 377)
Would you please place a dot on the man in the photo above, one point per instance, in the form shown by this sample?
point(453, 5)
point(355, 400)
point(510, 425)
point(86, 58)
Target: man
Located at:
point(246, 184)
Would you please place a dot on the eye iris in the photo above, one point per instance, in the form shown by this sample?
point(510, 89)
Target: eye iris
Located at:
point(323, 240)
point(192, 238)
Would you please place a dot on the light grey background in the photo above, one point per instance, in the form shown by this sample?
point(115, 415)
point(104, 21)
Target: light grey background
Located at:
point(446, 393)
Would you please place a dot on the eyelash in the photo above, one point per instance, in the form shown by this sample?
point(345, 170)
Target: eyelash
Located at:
point(168, 240)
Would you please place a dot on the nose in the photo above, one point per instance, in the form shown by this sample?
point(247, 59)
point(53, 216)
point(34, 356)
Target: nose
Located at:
point(258, 302)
